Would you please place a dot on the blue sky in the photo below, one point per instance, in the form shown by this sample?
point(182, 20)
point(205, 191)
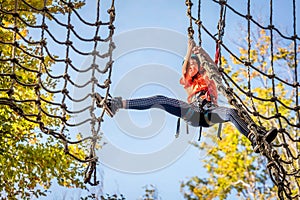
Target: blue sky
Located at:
point(138, 15)
point(153, 131)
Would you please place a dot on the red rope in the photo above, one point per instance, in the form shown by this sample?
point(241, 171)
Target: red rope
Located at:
point(217, 55)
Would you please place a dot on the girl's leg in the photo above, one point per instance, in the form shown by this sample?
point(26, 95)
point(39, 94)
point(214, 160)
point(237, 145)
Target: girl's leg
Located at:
point(189, 112)
point(223, 114)
point(172, 106)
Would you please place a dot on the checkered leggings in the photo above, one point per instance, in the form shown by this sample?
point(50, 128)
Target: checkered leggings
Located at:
point(190, 112)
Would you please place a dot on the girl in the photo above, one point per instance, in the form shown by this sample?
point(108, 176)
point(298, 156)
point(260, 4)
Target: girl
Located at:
point(201, 108)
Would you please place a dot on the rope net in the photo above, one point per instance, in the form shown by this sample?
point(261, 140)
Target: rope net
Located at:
point(272, 81)
point(42, 51)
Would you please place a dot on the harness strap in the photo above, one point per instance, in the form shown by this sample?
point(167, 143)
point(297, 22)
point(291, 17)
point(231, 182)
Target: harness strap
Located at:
point(187, 128)
point(200, 133)
point(187, 116)
point(178, 128)
point(220, 131)
point(190, 113)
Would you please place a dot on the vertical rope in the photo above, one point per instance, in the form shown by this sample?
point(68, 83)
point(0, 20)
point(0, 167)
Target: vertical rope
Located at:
point(40, 67)
point(10, 92)
point(91, 170)
point(249, 61)
point(190, 29)
point(249, 44)
point(111, 27)
point(65, 91)
point(221, 28)
point(296, 83)
point(272, 76)
point(221, 22)
point(199, 23)
point(277, 173)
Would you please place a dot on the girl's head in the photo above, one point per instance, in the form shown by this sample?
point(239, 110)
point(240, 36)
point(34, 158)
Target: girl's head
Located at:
point(195, 57)
point(194, 65)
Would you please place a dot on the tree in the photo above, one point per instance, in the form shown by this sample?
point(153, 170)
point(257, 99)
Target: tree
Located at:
point(232, 166)
point(151, 193)
point(29, 160)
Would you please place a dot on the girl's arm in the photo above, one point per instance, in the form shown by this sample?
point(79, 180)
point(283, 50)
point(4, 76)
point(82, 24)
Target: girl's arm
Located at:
point(190, 46)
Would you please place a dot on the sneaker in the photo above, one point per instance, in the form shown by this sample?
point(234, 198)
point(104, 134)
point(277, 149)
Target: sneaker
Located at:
point(269, 137)
point(111, 106)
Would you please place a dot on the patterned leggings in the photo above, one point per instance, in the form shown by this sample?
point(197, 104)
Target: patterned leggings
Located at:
point(190, 112)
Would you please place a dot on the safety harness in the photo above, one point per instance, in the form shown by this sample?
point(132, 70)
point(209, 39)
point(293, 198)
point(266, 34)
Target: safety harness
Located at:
point(203, 105)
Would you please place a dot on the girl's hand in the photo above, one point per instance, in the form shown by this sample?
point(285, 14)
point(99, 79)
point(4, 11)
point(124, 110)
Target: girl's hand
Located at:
point(196, 50)
point(191, 44)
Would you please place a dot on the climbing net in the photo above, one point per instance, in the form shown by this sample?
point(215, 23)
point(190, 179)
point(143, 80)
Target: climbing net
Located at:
point(43, 54)
point(279, 88)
